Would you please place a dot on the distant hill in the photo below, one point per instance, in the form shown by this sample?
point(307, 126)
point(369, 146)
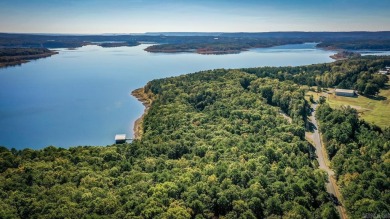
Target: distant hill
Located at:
point(206, 42)
point(184, 33)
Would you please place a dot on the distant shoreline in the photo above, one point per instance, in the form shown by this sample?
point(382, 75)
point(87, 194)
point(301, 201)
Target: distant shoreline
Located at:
point(8, 61)
point(222, 48)
point(201, 51)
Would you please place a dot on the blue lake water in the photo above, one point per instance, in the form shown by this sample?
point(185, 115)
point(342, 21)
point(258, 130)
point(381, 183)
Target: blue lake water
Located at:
point(82, 96)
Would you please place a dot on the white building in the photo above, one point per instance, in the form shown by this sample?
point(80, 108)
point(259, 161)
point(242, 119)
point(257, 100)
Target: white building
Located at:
point(120, 138)
point(345, 92)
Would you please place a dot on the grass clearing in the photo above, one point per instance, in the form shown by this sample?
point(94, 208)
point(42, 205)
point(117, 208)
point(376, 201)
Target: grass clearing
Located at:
point(376, 111)
point(316, 96)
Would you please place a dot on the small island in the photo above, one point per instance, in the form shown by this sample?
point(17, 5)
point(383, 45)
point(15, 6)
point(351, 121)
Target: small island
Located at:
point(118, 44)
point(220, 46)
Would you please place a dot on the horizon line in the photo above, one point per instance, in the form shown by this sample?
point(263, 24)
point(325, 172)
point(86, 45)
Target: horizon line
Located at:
point(210, 32)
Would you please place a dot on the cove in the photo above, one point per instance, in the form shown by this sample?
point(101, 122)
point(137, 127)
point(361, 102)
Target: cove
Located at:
point(82, 97)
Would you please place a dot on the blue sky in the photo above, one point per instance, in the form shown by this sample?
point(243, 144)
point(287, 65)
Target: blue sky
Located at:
point(139, 16)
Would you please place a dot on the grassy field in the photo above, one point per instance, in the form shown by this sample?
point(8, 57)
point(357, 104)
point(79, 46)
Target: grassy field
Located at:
point(376, 111)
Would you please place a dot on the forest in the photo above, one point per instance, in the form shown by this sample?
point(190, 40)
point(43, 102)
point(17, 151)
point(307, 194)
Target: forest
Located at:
point(356, 73)
point(359, 154)
point(215, 145)
point(17, 56)
point(219, 45)
point(212, 146)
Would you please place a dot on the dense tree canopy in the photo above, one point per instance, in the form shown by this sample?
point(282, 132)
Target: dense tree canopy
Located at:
point(359, 154)
point(359, 74)
point(214, 145)
point(17, 56)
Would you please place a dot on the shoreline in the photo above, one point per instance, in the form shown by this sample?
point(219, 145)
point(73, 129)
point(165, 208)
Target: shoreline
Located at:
point(196, 51)
point(147, 102)
point(344, 55)
point(18, 60)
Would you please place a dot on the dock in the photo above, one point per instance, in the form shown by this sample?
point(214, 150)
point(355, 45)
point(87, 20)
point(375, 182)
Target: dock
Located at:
point(121, 138)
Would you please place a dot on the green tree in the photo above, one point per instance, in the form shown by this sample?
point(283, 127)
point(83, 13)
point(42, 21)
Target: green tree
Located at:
point(371, 89)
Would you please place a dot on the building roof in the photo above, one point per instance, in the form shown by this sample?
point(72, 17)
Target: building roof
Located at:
point(120, 137)
point(344, 91)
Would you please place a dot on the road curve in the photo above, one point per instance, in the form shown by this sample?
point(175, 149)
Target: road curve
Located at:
point(331, 186)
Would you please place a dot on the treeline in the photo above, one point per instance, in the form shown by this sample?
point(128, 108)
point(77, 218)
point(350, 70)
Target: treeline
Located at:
point(57, 41)
point(118, 44)
point(372, 44)
point(209, 43)
point(16, 56)
point(359, 154)
point(224, 45)
point(213, 147)
point(359, 74)
point(22, 51)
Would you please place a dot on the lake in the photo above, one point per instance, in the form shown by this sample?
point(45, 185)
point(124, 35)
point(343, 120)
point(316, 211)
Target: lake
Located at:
point(82, 96)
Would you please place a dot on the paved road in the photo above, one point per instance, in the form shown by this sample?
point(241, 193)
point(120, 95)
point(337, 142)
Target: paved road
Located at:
point(331, 186)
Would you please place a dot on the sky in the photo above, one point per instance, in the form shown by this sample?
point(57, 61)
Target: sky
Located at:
point(140, 16)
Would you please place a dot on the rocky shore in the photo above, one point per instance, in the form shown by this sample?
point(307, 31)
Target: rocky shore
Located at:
point(146, 100)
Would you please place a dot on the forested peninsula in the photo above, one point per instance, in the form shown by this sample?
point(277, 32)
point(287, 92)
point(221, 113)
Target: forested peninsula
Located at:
point(215, 145)
point(17, 56)
point(220, 46)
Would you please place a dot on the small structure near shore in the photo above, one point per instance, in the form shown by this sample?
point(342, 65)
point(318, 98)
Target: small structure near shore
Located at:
point(345, 92)
point(120, 138)
point(384, 71)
